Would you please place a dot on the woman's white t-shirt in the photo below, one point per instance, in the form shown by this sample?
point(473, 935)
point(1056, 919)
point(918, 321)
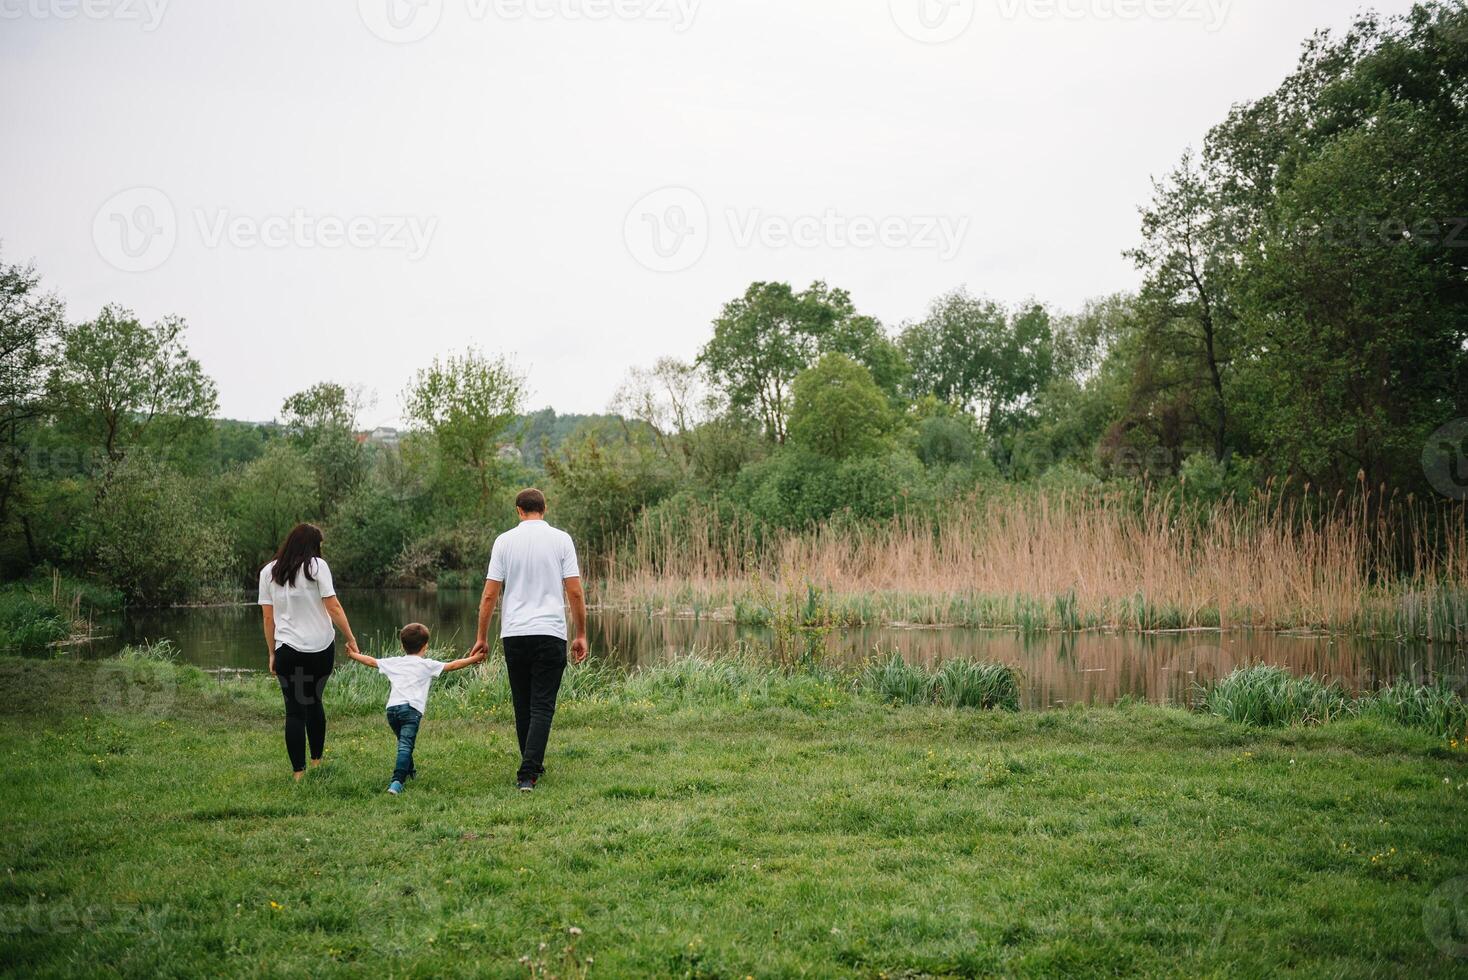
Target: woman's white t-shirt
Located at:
point(301, 622)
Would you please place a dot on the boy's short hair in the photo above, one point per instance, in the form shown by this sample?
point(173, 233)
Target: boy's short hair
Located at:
point(531, 501)
point(414, 637)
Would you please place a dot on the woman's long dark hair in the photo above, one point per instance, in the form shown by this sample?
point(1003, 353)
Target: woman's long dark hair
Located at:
point(301, 546)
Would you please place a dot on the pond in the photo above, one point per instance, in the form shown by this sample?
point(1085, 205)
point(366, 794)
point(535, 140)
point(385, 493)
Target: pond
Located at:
point(1057, 669)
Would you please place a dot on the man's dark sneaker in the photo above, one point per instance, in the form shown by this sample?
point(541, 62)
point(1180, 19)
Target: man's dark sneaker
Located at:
point(525, 785)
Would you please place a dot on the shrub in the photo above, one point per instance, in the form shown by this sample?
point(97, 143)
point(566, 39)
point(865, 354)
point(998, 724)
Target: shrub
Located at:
point(1436, 708)
point(895, 681)
point(154, 540)
point(990, 687)
point(1264, 696)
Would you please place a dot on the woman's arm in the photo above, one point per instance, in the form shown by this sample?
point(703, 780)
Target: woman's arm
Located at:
point(339, 618)
point(270, 634)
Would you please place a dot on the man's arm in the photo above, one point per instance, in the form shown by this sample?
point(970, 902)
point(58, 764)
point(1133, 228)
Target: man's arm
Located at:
point(577, 597)
point(487, 602)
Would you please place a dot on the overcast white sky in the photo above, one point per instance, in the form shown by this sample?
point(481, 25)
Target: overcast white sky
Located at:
point(341, 190)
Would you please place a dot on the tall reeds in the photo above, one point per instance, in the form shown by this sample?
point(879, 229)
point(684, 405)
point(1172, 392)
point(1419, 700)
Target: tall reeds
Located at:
point(1066, 561)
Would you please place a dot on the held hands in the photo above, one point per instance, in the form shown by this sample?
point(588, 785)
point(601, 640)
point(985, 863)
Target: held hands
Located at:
point(578, 650)
point(479, 651)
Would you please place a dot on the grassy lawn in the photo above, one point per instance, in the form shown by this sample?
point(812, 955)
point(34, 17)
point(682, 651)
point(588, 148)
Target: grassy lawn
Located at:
point(773, 834)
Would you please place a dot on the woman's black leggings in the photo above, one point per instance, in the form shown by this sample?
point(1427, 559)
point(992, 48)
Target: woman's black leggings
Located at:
point(303, 678)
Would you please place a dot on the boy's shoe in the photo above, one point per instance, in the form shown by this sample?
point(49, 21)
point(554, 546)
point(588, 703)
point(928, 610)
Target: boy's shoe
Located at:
point(525, 785)
point(394, 787)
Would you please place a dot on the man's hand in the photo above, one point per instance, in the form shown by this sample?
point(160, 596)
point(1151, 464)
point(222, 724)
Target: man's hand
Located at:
point(353, 649)
point(479, 650)
point(272, 661)
point(578, 649)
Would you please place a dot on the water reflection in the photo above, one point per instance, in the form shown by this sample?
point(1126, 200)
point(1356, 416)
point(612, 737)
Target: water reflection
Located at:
point(1089, 668)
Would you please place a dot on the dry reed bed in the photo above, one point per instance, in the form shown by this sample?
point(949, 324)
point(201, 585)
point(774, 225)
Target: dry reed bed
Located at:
point(1069, 561)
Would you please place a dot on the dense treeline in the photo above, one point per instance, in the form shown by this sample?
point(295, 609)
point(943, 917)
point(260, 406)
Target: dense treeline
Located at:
point(1301, 322)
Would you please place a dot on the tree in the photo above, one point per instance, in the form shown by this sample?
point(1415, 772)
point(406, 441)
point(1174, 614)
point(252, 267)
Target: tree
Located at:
point(469, 403)
point(322, 421)
point(270, 496)
point(30, 322)
point(118, 381)
point(322, 408)
point(1188, 260)
point(669, 398)
point(1349, 185)
point(155, 542)
point(838, 411)
point(769, 335)
point(972, 353)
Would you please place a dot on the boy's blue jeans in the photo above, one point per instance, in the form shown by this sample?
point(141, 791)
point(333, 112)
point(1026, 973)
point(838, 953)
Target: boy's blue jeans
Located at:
point(404, 719)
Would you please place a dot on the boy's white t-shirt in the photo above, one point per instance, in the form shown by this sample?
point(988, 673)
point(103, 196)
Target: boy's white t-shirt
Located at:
point(411, 678)
point(533, 562)
point(301, 621)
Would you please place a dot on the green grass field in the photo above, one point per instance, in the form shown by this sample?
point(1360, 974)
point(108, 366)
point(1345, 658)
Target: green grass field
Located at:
point(151, 828)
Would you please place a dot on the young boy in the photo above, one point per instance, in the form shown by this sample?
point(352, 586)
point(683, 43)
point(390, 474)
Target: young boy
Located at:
point(408, 699)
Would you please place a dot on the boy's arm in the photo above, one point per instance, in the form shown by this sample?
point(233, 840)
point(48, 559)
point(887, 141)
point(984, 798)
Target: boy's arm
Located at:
point(361, 658)
point(462, 662)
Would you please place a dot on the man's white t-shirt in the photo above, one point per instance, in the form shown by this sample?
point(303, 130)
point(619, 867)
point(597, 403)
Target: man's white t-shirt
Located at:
point(411, 678)
point(533, 562)
point(301, 621)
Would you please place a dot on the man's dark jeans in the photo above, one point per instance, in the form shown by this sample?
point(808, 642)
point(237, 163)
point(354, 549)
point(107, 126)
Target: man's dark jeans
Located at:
point(404, 719)
point(535, 665)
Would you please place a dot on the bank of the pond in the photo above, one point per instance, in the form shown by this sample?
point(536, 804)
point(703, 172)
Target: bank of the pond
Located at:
point(1435, 614)
point(712, 824)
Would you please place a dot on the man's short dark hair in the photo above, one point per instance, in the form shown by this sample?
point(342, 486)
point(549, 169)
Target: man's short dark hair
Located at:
point(414, 637)
point(531, 501)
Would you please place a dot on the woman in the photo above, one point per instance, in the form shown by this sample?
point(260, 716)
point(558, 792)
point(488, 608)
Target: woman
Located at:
point(300, 607)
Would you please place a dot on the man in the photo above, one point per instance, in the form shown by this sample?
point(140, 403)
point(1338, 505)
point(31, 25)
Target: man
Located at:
point(533, 568)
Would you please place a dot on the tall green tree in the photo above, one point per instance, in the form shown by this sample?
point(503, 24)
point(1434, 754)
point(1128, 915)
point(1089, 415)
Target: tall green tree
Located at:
point(120, 381)
point(470, 403)
point(1350, 185)
point(973, 353)
point(766, 337)
point(1189, 261)
point(321, 421)
point(30, 322)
